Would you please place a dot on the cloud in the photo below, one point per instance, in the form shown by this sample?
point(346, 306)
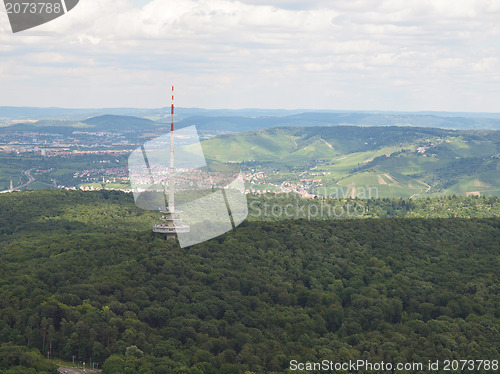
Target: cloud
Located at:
point(334, 54)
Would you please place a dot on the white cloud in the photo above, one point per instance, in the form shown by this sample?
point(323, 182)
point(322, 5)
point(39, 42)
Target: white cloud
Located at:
point(334, 54)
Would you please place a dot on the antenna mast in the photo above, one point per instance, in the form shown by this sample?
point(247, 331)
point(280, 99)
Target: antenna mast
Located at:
point(171, 206)
point(171, 222)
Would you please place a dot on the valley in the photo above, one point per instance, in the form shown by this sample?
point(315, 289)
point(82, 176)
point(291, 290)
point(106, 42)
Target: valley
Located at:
point(332, 161)
point(366, 162)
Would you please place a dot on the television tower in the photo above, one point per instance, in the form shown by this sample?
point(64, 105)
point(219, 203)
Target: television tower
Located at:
point(171, 222)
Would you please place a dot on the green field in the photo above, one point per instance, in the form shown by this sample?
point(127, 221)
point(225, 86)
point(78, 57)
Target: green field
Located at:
point(249, 147)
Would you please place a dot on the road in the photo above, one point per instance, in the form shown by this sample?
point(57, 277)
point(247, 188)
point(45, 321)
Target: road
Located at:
point(31, 179)
point(428, 189)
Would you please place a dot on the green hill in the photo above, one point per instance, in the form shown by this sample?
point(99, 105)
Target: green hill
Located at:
point(110, 122)
point(248, 120)
point(396, 161)
point(100, 123)
point(325, 141)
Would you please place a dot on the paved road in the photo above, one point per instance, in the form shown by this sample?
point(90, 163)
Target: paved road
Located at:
point(31, 179)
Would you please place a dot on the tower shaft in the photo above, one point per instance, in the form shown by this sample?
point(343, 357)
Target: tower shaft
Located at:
point(171, 223)
point(171, 202)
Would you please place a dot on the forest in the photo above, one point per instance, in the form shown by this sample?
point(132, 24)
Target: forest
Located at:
point(81, 274)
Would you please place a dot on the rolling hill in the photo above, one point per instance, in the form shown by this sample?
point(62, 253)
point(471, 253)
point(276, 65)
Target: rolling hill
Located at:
point(312, 143)
point(110, 122)
point(240, 120)
point(234, 123)
point(396, 161)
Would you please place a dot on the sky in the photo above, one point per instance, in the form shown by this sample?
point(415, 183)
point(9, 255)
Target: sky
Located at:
point(411, 55)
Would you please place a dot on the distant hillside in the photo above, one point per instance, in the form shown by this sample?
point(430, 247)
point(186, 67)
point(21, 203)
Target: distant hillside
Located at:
point(239, 120)
point(400, 119)
point(31, 113)
point(290, 145)
point(109, 122)
point(395, 161)
point(309, 119)
point(99, 123)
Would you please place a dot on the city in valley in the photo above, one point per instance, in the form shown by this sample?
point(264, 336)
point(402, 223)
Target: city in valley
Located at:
point(308, 161)
point(89, 161)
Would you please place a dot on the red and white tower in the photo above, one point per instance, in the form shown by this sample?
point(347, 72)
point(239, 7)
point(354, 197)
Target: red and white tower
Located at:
point(171, 203)
point(171, 222)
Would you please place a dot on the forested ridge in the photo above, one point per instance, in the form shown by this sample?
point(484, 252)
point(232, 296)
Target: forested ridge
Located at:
point(82, 274)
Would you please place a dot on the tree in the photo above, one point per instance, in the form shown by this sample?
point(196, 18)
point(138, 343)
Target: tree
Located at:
point(134, 352)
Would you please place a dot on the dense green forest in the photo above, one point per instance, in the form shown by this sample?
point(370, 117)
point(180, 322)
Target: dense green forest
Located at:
point(82, 274)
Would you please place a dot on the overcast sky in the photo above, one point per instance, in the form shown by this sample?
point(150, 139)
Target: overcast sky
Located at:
point(319, 54)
